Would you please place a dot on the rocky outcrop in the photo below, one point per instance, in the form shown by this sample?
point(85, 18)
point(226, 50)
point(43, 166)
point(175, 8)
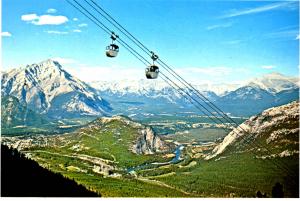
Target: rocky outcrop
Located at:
point(148, 142)
point(277, 127)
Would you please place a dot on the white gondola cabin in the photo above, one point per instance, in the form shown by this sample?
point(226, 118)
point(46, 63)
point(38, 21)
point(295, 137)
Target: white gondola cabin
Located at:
point(112, 50)
point(152, 72)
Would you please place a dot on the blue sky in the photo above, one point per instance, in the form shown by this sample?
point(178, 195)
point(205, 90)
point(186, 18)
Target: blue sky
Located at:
point(219, 41)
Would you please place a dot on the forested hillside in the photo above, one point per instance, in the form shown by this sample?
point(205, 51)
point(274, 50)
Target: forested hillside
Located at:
point(23, 177)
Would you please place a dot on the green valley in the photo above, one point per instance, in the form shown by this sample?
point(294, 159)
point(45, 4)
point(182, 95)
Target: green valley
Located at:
point(119, 157)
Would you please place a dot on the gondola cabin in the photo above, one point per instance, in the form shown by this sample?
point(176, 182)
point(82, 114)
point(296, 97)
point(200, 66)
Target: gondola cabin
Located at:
point(112, 50)
point(152, 72)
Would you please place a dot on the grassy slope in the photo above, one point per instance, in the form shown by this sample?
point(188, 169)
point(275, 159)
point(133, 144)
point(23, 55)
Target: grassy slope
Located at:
point(102, 142)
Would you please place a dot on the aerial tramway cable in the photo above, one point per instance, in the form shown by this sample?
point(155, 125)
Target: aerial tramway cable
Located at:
point(132, 50)
point(181, 80)
point(110, 19)
point(168, 68)
point(147, 51)
point(190, 98)
point(105, 29)
point(119, 27)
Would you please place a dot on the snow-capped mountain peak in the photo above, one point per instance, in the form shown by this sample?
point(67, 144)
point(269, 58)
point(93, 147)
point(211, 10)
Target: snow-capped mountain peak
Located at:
point(129, 86)
point(275, 82)
point(43, 85)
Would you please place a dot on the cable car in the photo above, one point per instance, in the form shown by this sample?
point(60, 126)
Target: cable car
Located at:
point(112, 50)
point(153, 70)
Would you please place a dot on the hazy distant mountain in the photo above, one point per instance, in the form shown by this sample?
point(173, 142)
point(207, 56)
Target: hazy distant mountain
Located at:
point(154, 88)
point(134, 97)
point(48, 89)
point(258, 94)
point(275, 83)
point(250, 100)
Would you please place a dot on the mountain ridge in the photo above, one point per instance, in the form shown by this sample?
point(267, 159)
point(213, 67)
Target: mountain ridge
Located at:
point(272, 125)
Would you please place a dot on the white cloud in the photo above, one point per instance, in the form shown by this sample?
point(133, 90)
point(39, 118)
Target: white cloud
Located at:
point(6, 34)
point(75, 19)
point(57, 32)
point(268, 67)
point(50, 20)
point(284, 34)
point(29, 17)
point(64, 61)
point(77, 30)
point(274, 6)
point(217, 26)
point(298, 37)
point(44, 19)
point(51, 10)
point(83, 25)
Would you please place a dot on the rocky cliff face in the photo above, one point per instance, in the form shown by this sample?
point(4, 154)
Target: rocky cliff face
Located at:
point(275, 129)
point(148, 142)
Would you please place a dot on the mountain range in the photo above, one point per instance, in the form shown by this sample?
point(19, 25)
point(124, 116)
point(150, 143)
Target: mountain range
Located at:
point(47, 89)
point(244, 100)
point(272, 82)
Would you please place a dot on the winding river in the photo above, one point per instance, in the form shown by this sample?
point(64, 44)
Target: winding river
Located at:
point(176, 159)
